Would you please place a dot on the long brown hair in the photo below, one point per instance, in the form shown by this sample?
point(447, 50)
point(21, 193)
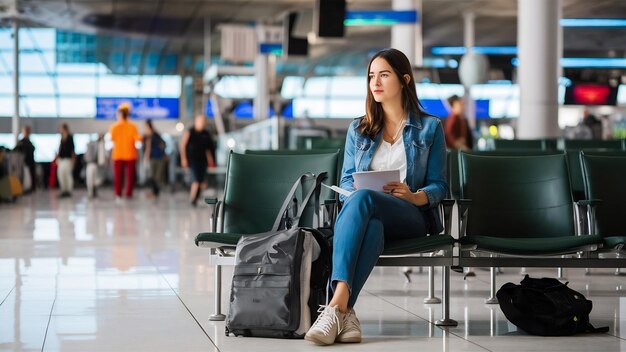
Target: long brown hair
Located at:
point(374, 119)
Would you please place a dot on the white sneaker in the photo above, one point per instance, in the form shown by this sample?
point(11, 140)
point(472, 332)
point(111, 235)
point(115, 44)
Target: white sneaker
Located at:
point(351, 332)
point(327, 326)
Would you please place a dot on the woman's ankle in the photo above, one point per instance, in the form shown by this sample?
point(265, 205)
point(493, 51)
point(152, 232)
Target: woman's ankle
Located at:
point(343, 309)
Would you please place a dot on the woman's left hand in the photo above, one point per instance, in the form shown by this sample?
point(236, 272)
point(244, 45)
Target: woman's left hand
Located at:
point(400, 190)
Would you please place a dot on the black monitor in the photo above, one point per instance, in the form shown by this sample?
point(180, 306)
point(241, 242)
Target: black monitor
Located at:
point(293, 46)
point(328, 18)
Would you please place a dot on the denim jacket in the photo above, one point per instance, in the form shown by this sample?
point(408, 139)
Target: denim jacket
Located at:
point(425, 148)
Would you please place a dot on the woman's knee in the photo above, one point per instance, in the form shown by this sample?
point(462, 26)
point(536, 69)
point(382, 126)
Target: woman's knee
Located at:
point(362, 195)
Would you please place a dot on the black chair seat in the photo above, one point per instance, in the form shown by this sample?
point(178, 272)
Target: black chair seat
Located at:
point(217, 239)
point(419, 245)
point(530, 246)
point(614, 242)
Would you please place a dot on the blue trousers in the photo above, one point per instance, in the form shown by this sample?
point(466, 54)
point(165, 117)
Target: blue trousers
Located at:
point(367, 220)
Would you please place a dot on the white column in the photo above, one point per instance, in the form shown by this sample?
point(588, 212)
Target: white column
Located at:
point(537, 42)
point(469, 34)
point(262, 99)
point(404, 36)
point(419, 42)
point(207, 43)
point(559, 43)
point(15, 121)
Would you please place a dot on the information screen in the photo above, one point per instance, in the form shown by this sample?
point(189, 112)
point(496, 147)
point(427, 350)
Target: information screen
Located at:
point(590, 94)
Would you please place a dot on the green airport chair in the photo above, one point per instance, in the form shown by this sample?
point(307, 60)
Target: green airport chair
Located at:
point(578, 144)
point(328, 197)
point(577, 181)
point(430, 250)
point(328, 143)
point(512, 144)
point(255, 188)
point(517, 211)
point(453, 168)
point(550, 144)
point(416, 251)
point(316, 143)
point(304, 152)
point(605, 193)
point(453, 163)
point(575, 167)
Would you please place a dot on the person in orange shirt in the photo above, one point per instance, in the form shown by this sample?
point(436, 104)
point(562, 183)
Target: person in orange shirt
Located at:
point(124, 134)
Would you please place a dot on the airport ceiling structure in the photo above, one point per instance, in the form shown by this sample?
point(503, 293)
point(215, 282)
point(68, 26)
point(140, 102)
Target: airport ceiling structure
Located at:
point(181, 23)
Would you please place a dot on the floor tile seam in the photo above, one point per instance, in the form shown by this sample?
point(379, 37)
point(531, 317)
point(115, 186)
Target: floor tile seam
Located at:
point(616, 336)
point(45, 336)
point(426, 320)
point(7, 296)
point(183, 303)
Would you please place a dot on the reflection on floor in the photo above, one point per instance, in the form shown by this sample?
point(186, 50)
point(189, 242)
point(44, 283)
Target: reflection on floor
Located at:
point(81, 275)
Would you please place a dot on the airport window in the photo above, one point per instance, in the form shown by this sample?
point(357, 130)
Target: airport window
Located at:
point(62, 73)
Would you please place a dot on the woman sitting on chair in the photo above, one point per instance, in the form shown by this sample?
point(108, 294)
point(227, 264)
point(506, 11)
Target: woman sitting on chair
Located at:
point(395, 133)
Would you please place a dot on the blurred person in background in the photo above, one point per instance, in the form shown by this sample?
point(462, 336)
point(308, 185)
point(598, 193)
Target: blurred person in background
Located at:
point(124, 134)
point(95, 157)
point(26, 147)
point(456, 128)
point(458, 137)
point(66, 158)
point(154, 156)
point(593, 123)
point(196, 154)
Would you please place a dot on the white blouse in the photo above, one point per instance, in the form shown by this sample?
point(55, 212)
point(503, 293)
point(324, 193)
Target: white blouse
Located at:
point(390, 157)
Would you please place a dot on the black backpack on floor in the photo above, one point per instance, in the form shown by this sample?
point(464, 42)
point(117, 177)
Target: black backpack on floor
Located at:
point(546, 307)
point(280, 277)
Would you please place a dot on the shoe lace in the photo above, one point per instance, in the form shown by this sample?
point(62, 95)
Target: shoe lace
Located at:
point(326, 319)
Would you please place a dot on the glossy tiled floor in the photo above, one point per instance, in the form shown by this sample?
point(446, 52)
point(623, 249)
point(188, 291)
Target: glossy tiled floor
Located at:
point(79, 275)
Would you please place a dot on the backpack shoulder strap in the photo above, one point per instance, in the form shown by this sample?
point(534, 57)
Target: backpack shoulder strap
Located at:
point(315, 191)
point(592, 329)
point(288, 199)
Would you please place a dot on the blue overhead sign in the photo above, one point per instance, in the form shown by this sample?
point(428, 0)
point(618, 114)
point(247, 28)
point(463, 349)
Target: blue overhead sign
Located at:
point(271, 48)
point(141, 108)
point(245, 110)
point(437, 108)
point(208, 109)
point(379, 17)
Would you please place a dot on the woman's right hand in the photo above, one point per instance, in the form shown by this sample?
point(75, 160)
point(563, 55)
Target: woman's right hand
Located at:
point(184, 164)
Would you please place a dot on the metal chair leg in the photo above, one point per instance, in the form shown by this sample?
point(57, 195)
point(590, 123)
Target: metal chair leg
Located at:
point(218, 316)
point(407, 271)
point(492, 299)
point(431, 299)
point(560, 273)
point(445, 307)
